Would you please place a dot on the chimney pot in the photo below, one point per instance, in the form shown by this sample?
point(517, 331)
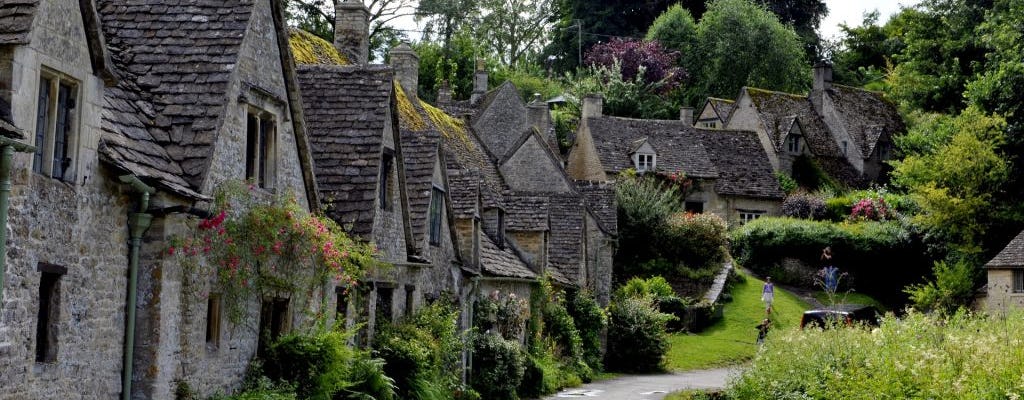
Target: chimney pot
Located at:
point(352, 31)
point(407, 68)
point(686, 115)
point(593, 106)
point(822, 83)
point(479, 82)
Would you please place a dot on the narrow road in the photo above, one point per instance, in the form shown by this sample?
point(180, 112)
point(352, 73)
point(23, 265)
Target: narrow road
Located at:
point(644, 387)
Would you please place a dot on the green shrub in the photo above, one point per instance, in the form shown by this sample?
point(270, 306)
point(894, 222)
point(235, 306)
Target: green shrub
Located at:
point(644, 206)
point(423, 352)
point(637, 340)
point(653, 287)
point(952, 288)
point(916, 356)
point(695, 240)
point(323, 366)
point(787, 183)
point(803, 205)
point(839, 208)
point(504, 314)
point(866, 250)
point(591, 322)
point(498, 367)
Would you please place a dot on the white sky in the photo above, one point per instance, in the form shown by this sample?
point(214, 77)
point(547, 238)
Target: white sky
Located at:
point(850, 12)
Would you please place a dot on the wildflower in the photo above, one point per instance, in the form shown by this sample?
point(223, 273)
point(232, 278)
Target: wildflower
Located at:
point(170, 250)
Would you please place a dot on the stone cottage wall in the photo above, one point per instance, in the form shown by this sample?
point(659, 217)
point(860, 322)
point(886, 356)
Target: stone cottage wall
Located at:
point(745, 118)
point(1000, 291)
point(531, 169)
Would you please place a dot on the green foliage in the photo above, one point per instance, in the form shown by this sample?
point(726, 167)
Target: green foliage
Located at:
point(422, 353)
point(649, 288)
point(514, 31)
point(952, 288)
point(916, 356)
point(644, 206)
point(675, 29)
point(866, 250)
point(865, 52)
point(505, 315)
point(803, 205)
point(697, 241)
point(787, 183)
point(955, 177)
point(839, 207)
point(741, 44)
point(456, 64)
point(623, 97)
point(637, 340)
point(808, 175)
point(323, 366)
point(529, 79)
point(590, 321)
point(566, 121)
point(498, 367)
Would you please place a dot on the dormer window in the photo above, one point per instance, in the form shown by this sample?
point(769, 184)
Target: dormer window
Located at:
point(884, 150)
point(260, 147)
point(793, 144)
point(56, 123)
point(846, 147)
point(645, 162)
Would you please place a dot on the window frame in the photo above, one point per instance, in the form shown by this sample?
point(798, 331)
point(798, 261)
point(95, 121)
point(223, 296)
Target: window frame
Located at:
point(645, 162)
point(387, 161)
point(746, 216)
point(1017, 281)
point(261, 144)
point(435, 215)
point(793, 144)
point(61, 110)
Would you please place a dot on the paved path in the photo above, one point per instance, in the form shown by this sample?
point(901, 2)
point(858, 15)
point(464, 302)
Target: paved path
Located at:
point(644, 387)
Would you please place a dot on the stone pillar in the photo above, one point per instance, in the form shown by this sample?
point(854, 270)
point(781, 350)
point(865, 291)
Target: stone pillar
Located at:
point(407, 68)
point(593, 106)
point(352, 30)
point(444, 93)
point(479, 82)
point(686, 115)
point(822, 83)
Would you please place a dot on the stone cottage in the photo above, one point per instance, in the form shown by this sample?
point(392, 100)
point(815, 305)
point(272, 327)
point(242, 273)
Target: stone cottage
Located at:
point(715, 113)
point(1005, 271)
point(138, 111)
point(733, 177)
point(848, 131)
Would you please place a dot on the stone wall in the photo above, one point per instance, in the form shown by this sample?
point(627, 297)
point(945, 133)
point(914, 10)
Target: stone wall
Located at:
point(533, 247)
point(745, 118)
point(503, 122)
point(1000, 291)
point(599, 251)
point(531, 169)
point(584, 163)
point(389, 223)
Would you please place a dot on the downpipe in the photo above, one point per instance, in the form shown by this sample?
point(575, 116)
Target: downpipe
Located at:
point(138, 223)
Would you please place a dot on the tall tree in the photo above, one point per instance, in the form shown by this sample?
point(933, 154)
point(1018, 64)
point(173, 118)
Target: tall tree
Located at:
point(513, 30)
point(742, 44)
point(805, 18)
point(865, 51)
point(444, 18)
point(675, 29)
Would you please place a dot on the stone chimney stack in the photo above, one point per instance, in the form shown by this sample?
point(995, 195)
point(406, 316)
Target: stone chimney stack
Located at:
point(593, 106)
point(352, 30)
point(538, 114)
point(407, 68)
point(686, 115)
point(444, 93)
point(822, 83)
point(479, 82)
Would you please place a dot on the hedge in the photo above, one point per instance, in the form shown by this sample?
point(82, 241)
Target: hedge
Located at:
point(881, 257)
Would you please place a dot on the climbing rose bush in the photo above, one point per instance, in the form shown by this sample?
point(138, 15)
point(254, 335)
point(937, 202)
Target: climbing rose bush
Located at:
point(871, 209)
point(254, 244)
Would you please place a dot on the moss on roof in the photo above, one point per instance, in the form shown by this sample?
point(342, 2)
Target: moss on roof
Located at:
point(307, 48)
point(407, 110)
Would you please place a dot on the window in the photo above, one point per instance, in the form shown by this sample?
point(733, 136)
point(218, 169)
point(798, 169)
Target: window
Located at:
point(747, 216)
point(793, 144)
point(476, 241)
point(213, 320)
point(48, 318)
point(410, 299)
point(273, 321)
point(501, 228)
point(884, 150)
point(385, 301)
point(846, 146)
point(1018, 281)
point(695, 207)
point(259, 148)
point(55, 126)
point(385, 180)
point(644, 162)
point(436, 204)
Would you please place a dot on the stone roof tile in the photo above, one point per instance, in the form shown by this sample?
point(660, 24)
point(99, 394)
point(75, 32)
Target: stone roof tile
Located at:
point(743, 166)
point(615, 138)
point(565, 246)
point(1011, 256)
point(346, 110)
point(526, 212)
point(502, 262)
point(16, 17)
point(600, 199)
point(865, 115)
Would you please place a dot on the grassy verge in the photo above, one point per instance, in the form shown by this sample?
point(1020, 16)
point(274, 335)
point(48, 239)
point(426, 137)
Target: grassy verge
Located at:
point(733, 339)
point(849, 298)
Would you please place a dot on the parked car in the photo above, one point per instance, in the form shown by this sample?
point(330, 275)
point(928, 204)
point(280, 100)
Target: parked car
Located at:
point(844, 314)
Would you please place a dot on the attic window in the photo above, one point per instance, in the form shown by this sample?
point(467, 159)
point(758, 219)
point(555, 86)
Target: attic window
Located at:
point(260, 146)
point(56, 126)
point(846, 146)
point(436, 205)
point(645, 162)
point(793, 144)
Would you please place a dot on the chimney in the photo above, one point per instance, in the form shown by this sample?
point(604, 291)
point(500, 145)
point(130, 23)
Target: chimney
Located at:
point(686, 115)
point(407, 68)
point(352, 30)
point(538, 115)
point(592, 106)
point(822, 83)
point(479, 82)
point(444, 93)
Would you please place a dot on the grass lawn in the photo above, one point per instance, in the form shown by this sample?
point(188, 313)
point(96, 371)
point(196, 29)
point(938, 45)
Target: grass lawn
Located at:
point(849, 298)
point(734, 338)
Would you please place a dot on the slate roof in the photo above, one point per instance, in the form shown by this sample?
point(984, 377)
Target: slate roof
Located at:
point(16, 18)
point(615, 138)
point(1011, 256)
point(865, 115)
point(722, 107)
point(464, 188)
point(565, 247)
point(600, 200)
point(526, 212)
point(346, 111)
point(177, 58)
point(743, 166)
point(420, 150)
point(465, 152)
point(502, 262)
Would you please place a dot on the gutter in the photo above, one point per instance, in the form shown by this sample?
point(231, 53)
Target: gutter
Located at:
point(138, 223)
point(7, 148)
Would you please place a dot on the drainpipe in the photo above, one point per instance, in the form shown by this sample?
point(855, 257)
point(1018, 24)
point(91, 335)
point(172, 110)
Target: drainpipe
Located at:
point(138, 223)
point(7, 148)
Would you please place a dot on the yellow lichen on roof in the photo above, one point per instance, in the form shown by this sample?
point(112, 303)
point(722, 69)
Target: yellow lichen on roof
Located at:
point(307, 48)
point(449, 126)
point(407, 111)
